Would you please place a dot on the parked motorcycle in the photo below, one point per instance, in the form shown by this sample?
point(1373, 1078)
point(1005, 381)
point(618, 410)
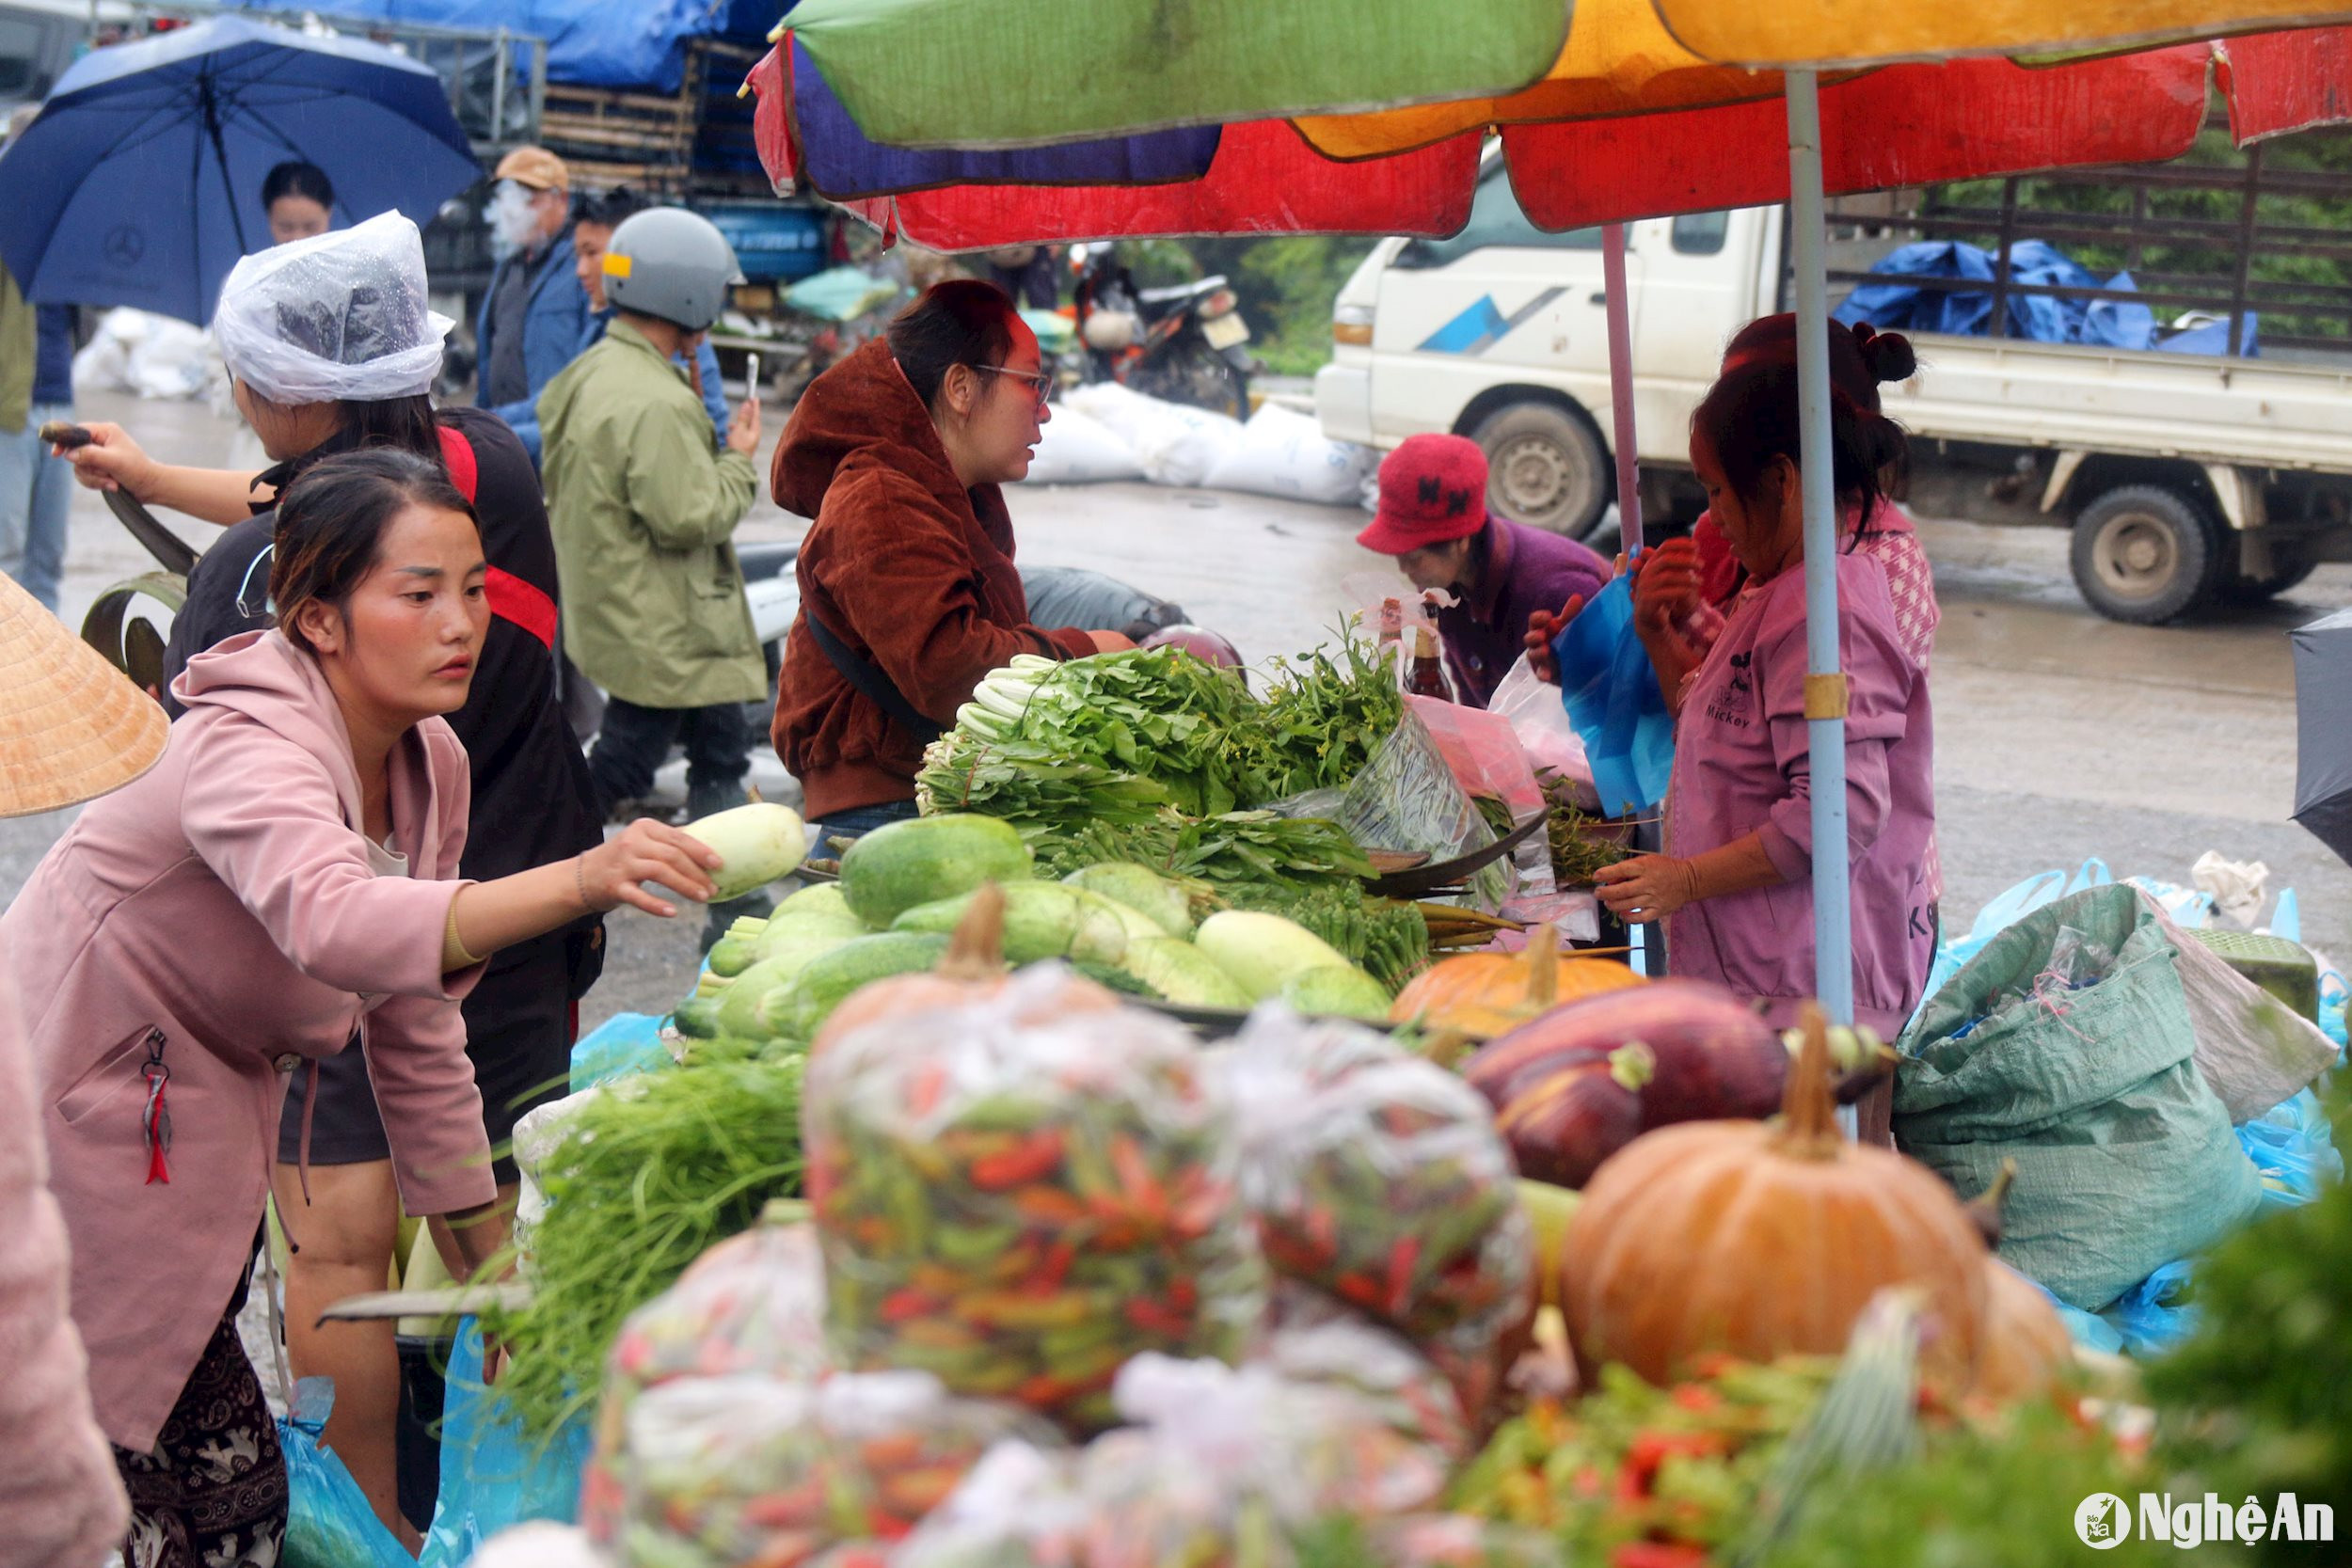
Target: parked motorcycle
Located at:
point(1186, 343)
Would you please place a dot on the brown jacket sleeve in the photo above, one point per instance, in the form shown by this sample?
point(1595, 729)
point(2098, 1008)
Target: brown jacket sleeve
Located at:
point(904, 576)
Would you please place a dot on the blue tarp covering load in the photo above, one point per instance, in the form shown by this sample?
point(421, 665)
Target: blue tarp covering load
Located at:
point(597, 43)
point(2042, 318)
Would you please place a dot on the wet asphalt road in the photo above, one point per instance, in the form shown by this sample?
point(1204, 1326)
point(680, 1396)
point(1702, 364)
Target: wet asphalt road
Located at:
point(2060, 736)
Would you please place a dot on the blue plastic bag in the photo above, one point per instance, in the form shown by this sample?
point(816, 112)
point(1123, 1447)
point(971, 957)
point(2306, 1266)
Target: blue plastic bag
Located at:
point(491, 1477)
point(328, 1522)
point(622, 1044)
point(2294, 1149)
point(2036, 890)
point(2154, 1315)
point(1611, 695)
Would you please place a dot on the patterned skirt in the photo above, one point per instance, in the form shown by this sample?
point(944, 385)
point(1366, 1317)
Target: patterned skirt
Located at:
point(212, 1492)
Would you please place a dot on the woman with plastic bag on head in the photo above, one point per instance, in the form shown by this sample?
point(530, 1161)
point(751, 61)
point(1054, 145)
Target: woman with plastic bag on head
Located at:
point(332, 349)
point(284, 884)
point(1734, 884)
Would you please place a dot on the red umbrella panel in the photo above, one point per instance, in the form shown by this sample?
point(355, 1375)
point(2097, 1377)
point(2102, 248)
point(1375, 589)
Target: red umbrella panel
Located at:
point(1904, 125)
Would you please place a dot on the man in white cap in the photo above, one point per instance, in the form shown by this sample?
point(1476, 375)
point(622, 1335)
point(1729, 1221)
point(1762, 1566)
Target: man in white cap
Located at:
point(536, 310)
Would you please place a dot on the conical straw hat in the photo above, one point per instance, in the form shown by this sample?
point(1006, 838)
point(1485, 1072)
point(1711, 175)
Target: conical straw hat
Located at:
point(71, 725)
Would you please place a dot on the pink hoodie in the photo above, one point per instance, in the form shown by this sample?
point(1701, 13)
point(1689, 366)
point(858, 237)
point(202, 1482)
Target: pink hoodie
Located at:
point(220, 916)
point(1743, 764)
point(61, 1504)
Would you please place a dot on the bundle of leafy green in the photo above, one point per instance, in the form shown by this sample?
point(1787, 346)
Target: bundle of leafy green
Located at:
point(650, 1174)
point(1116, 737)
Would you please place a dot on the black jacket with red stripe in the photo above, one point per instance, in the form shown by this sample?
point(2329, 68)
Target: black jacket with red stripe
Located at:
point(532, 799)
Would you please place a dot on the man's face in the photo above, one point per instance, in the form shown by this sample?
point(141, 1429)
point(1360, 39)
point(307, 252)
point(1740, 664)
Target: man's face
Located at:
point(589, 243)
point(1436, 565)
point(550, 207)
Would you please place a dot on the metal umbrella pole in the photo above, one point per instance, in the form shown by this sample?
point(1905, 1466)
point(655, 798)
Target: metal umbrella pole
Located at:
point(1621, 387)
point(1824, 683)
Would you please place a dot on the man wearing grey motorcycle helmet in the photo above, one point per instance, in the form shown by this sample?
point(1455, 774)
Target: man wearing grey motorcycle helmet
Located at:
point(535, 309)
point(643, 511)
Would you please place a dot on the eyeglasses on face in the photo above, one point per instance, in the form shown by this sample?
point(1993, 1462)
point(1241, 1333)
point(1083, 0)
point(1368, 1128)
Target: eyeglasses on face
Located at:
point(1043, 379)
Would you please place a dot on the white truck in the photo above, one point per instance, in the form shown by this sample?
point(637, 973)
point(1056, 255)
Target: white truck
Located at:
point(2185, 478)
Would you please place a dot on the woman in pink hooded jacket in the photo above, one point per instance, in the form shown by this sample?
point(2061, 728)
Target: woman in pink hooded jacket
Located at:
point(1734, 884)
point(283, 880)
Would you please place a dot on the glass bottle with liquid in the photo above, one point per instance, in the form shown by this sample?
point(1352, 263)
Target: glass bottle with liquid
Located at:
point(1427, 677)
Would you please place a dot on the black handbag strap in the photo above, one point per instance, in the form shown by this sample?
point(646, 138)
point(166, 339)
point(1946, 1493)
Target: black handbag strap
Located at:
point(875, 686)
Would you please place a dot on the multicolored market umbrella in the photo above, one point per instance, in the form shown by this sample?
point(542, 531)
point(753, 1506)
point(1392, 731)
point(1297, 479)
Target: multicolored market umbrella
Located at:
point(1646, 108)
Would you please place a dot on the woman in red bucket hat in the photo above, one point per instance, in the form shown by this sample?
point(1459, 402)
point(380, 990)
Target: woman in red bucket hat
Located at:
point(1433, 518)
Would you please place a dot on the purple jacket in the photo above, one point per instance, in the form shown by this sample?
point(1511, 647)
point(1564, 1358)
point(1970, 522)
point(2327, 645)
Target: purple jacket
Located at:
point(1524, 570)
point(1742, 765)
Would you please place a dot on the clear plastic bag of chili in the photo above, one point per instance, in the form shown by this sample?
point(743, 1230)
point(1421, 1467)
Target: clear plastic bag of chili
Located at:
point(1378, 1177)
point(746, 1469)
point(1019, 1207)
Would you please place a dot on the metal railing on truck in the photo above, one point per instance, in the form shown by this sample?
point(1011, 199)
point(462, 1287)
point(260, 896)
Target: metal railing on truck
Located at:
point(2264, 234)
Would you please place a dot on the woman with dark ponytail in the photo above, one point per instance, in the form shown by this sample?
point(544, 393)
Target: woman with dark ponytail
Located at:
point(1735, 881)
point(1686, 588)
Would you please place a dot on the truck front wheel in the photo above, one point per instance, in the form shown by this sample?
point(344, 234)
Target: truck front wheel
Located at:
point(1545, 468)
point(2145, 554)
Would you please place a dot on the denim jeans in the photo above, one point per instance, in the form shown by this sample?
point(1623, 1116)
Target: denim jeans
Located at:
point(859, 821)
point(633, 742)
point(36, 494)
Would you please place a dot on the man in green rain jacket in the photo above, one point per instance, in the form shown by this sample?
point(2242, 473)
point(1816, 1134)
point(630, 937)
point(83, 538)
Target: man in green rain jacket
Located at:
point(643, 512)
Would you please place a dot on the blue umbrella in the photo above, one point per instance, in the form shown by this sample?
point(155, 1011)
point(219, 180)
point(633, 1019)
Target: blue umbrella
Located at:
point(141, 182)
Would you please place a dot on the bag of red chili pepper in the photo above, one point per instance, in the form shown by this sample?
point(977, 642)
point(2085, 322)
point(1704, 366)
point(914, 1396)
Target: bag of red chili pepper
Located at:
point(1019, 1208)
point(1224, 1464)
point(1378, 1178)
point(746, 1469)
point(754, 1303)
point(1312, 1338)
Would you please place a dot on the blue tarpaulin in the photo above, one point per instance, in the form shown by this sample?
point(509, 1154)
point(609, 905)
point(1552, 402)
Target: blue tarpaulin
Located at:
point(2040, 317)
point(595, 43)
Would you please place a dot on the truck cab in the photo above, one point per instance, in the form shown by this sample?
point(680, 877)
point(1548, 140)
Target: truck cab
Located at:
point(2188, 478)
point(1501, 333)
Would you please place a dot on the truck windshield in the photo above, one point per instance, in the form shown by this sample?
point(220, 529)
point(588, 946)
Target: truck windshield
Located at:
point(1495, 220)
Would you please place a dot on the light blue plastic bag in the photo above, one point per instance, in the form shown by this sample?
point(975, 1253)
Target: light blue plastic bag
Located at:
point(1611, 695)
point(622, 1044)
point(491, 1477)
point(2036, 890)
point(328, 1522)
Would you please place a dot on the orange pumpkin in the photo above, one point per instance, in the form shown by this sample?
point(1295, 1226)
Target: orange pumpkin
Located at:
point(1766, 1239)
point(2026, 1344)
point(972, 968)
point(1481, 995)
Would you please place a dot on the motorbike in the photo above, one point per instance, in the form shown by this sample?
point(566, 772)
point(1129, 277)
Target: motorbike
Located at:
point(1186, 343)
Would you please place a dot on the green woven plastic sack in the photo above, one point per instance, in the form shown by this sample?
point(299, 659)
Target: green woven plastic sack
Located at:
point(2066, 1045)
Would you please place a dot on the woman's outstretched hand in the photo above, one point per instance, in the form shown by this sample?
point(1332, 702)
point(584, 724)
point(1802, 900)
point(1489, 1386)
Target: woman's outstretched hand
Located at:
point(1647, 887)
point(647, 851)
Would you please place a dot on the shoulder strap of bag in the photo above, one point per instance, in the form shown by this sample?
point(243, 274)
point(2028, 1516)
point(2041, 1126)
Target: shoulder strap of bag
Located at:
point(512, 598)
point(871, 683)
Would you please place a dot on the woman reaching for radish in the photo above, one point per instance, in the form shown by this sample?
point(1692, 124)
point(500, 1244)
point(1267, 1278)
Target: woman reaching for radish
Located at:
point(283, 882)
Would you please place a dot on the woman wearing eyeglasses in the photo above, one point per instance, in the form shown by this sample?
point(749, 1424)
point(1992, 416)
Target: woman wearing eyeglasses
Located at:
point(908, 591)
